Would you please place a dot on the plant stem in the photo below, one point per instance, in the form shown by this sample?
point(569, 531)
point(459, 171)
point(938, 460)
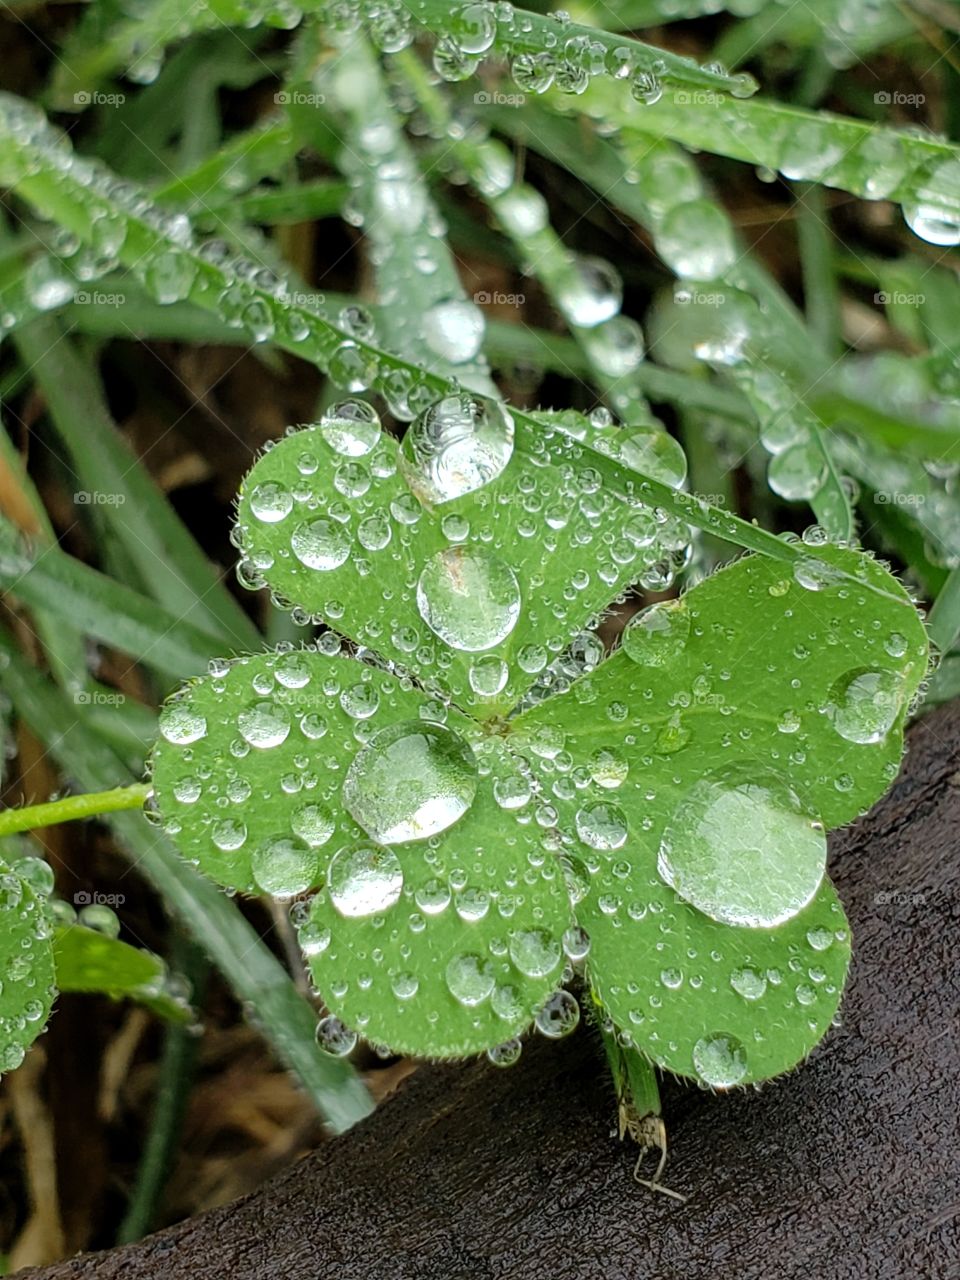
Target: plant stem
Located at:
point(30, 817)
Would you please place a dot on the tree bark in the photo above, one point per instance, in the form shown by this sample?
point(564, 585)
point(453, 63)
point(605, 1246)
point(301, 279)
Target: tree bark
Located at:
point(849, 1167)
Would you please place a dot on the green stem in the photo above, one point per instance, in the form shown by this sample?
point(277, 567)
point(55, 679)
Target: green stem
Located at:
point(30, 817)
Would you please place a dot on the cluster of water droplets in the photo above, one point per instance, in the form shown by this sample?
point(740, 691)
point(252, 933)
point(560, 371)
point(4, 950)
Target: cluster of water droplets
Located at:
point(26, 961)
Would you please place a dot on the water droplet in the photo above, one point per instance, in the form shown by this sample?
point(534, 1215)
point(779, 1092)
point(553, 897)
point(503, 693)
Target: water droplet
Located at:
point(181, 724)
point(720, 1060)
point(264, 724)
point(657, 635)
point(335, 1038)
point(506, 1054)
point(742, 852)
point(864, 704)
point(576, 944)
point(284, 866)
point(592, 291)
point(351, 428)
point(320, 544)
point(535, 952)
point(270, 502)
point(748, 983)
point(313, 824)
point(455, 447)
point(364, 880)
point(469, 598)
point(559, 1016)
point(454, 330)
point(411, 781)
point(602, 826)
point(488, 676)
point(655, 454)
point(470, 978)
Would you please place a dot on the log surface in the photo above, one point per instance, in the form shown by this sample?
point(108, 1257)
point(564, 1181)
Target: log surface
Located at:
point(848, 1168)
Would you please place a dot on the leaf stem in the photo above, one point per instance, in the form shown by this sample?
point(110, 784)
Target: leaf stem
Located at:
point(68, 808)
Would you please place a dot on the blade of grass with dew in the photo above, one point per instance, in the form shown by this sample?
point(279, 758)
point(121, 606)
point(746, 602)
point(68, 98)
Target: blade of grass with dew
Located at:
point(41, 170)
point(259, 982)
point(422, 299)
point(696, 240)
point(919, 172)
point(523, 33)
point(612, 348)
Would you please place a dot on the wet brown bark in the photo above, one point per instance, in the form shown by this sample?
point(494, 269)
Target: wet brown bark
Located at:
point(850, 1167)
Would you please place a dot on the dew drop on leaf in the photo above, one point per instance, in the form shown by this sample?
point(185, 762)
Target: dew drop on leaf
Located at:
point(469, 598)
point(335, 1038)
point(411, 781)
point(506, 1054)
point(535, 952)
point(864, 704)
point(658, 635)
point(364, 880)
point(602, 826)
point(743, 853)
point(284, 866)
point(470, 979)
point(455, 447)
point(264, 724)
point(351, 428)
point(720, 1060)
point(181, 725)
point(320, 544)
point(559, 1016)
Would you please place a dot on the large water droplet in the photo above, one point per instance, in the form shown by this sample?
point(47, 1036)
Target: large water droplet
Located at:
point(321, 544)
point(181, 725)
point(864, 704)
point(742, 852)
point(411, 781)
point(469, 598)
point(335, 1038)
point(535, 952)
point(602, 826)
point(454, 330)
point(351, 427)
point(364, 880)
point(284, 866)
point(720, 1060)
point(458, 445)
point(655, 454)
point(559, 1016)
point(264, 724)
point(592, 291)
point(470, 978)
point(657, 635)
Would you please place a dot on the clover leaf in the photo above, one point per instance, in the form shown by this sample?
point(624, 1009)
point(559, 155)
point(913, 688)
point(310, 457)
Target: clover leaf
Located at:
point(661, 817)
point(26, 965)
